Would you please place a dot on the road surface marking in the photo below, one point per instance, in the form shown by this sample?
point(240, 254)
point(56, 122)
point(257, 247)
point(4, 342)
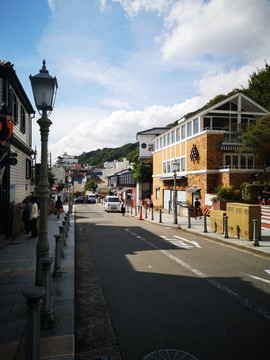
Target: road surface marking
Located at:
point(190, 241)
point(177, 243)
point(268, 271)
point(250, 305)
point(258, 278)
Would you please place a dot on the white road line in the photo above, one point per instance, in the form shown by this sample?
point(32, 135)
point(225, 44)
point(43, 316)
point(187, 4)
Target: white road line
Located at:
point(250, 305)
point(268, 271)
point(261, 279)
point(190, 241)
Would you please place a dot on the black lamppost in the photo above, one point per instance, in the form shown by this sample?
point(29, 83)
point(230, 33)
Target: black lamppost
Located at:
point(44, 89)
point(175, 166)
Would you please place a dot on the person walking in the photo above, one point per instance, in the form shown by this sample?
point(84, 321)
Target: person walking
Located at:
point(58, 206)
point(26, 215)
point(197, 205)
point(34, 217)
point(123, 208)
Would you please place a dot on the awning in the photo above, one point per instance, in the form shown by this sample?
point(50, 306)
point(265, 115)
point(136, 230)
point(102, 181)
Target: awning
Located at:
point(172, 178)
point(193, 190)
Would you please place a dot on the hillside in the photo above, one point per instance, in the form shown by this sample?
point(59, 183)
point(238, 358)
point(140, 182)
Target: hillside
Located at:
point(100, 156)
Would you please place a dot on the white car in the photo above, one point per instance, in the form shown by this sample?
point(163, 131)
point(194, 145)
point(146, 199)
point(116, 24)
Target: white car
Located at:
point(91, 198)
point(112, 203)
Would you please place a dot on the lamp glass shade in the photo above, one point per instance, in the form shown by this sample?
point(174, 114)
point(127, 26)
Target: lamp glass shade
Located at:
point(44, 89)
point(175, 165)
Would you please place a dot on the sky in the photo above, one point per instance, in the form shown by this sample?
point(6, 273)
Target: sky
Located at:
point(124, 66)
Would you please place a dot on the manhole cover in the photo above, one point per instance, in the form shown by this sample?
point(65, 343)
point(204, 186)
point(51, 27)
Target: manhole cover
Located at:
point(169, 354)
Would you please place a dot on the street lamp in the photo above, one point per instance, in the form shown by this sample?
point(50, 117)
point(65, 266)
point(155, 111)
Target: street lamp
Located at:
point(44, 89)
point(175, 167)
point(69, 195)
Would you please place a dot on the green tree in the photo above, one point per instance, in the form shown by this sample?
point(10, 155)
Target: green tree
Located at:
point(91, 185)
point(259, 86)
point(143, 171)
point(51, 178)
point(256, 141)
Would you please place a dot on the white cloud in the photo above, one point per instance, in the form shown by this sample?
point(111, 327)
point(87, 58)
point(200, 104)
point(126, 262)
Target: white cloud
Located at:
point(51, 4)
point(87, 129)
point(133, 7)
point(215, 82)
point(217, 28)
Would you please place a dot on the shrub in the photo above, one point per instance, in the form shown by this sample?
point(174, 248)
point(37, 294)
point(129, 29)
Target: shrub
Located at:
point(226, 193)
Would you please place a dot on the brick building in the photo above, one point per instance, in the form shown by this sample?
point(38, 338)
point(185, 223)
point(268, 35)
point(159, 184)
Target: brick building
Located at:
point(202, 147)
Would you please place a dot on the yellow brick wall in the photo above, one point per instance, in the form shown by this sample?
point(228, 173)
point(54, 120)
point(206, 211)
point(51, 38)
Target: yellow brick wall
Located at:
point(157, 163)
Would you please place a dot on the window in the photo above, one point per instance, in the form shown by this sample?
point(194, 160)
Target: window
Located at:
point(178, 134)
point(189, 129)
point(28, 169)
point(206, 123)
point(227, 160)
point(157, 144)
point(157, 193)
point(173, 136)
point(195, 126)
point(168, 166)
point(183, 164)
point(22, 120)
point(183, 132)
point(164, 168)
point(13, 106)
point(161, 142)
point(235, 161)
point(168, 138)
point(164, 140)
point(232, 161)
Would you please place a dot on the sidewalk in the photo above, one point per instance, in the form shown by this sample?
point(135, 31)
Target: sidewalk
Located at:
point(17, 273)
point(197, 227)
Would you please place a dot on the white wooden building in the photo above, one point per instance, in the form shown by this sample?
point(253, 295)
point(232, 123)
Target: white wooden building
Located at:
point(16, 179)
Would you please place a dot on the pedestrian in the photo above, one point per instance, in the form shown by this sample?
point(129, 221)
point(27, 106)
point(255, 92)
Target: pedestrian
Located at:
point(197, 205)
point(26, 215)
point(139, 204)
point(150, 204)
point(34, 217)
point(58, 206)
point(123, 208)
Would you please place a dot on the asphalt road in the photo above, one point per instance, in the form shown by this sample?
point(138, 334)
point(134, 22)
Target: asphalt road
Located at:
point(164, 288)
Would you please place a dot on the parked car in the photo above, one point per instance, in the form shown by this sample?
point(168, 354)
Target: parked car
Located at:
point(112, 204)
point(79, 199)
point(91, 198)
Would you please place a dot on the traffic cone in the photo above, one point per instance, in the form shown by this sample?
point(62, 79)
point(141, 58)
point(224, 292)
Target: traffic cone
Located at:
point(140, 217)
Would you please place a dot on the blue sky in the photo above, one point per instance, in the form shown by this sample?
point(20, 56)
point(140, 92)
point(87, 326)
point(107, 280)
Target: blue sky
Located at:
point(127, 65)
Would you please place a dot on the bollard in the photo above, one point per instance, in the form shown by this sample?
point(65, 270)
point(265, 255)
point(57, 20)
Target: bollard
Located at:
point(204, 224)
point(67, 227)
point(256, 232)
point(70, 205)
point(152, 218)
point(57, 262)
point(131, 209)
point(68, 219)
point(160, 216)
point(61, 233)
point(135, 210)
point(65, 232)
point(225, 227)
point(46, 306)
point(189, 218)
point(145, 213)
point(34, 298)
